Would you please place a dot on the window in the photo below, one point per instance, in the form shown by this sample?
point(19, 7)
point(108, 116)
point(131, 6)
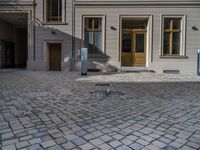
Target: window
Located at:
point(54, 10)
point(93, 35)
point(126, 42)
point(172, 36)
point(128, 23)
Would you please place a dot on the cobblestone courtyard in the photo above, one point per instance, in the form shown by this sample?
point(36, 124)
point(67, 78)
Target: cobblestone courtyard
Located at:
point(60, 110)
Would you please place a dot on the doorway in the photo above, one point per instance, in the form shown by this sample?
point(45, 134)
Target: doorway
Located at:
point(14, 40)
point(54, 57)
point(133, 43)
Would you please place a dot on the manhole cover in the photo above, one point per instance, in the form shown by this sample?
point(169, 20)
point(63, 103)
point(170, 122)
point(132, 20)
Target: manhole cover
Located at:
point(107, 93)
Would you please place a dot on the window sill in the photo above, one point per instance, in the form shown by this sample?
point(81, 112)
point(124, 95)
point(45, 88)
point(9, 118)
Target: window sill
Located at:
point(55, 23)
point(174, 57)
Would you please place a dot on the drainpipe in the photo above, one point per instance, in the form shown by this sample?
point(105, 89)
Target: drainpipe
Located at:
point(73, 36)
point(34, 46)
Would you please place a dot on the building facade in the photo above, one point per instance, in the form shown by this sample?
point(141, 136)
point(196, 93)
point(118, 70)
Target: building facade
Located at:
point(48, 26)
point(159, 35)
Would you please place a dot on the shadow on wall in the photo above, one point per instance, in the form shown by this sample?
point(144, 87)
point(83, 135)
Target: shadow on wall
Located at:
point(46, 35)
point(101, 63)
point(96, 63)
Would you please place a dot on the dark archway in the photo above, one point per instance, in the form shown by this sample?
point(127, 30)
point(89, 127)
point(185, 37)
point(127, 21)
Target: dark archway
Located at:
point(13, 40)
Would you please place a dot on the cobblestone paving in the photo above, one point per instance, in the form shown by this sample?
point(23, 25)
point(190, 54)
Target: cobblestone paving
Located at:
point(140, 77)
point(60, 110)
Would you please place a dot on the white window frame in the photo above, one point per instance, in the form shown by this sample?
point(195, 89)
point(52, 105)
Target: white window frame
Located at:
point(103, 32)
point(63, 12)
point(183, 33)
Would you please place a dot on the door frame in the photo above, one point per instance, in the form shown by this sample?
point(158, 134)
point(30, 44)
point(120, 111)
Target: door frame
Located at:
point(149, 35)
point(45, 52)
point(50, 51)
point(133, 43)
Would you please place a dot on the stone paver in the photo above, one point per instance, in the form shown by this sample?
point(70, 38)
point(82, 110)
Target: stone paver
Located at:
point(87, 146)
point(47, 144)
point(68, 145)
point(62, 110)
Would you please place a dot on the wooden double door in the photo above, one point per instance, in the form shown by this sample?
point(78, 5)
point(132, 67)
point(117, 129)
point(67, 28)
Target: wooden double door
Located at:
point(54, 57)
point(133, 48)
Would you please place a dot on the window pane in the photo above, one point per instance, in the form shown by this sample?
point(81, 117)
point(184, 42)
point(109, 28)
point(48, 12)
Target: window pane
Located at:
point(176, 43)
point(97, 23)
point(167, 22)
point(176, 37)
point(93, 41)
point(126, 43)
point(134, 24)
point(54, 10)
point(175, 49)
point(166, 45)
point(60, 9)
point(88, 23)
point(48, 10)
point(88, 41)
point(176, 23)
point(98, 42)
point(139, 43)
